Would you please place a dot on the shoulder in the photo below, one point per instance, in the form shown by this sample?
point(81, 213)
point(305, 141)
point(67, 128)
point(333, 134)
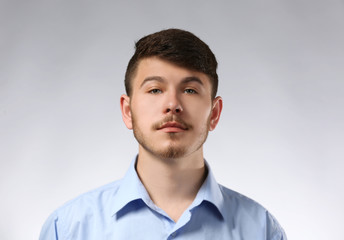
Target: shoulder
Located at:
point(239, 200)
point(249, 214)
point(94, 206)
point(96, 198)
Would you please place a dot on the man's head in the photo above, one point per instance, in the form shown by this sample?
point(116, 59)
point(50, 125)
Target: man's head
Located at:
point(176, 46)
point(171, 85)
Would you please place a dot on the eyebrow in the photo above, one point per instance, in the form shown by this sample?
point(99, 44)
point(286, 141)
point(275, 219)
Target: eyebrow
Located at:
point(160, 79)
point(152, 78)
point(192, 79)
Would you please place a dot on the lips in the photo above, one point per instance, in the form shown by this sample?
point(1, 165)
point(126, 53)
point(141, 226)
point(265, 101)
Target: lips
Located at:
point(172, 127)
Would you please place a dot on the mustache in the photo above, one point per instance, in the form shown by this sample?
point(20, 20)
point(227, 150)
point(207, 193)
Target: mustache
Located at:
point(171, 118)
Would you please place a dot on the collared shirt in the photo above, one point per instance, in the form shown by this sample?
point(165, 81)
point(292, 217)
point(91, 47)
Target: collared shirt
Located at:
point(124, 210)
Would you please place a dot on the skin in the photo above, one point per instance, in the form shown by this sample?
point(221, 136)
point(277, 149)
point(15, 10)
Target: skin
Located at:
point(171, 112)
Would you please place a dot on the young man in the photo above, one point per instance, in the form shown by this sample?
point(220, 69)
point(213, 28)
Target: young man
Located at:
point(169, 191)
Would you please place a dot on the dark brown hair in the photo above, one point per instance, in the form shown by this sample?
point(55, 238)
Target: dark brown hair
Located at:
point(178, 47)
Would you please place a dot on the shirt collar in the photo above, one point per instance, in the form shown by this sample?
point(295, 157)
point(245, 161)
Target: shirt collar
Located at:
point(210, 192)
point(131, 189)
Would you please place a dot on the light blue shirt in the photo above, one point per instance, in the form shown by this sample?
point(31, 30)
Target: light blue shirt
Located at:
point(123, 210)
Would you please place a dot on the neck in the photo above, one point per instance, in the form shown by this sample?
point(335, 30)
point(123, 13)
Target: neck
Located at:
point(172, 183)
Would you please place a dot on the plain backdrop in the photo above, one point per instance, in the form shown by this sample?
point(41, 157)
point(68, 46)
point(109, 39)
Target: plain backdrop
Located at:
point(280, 139)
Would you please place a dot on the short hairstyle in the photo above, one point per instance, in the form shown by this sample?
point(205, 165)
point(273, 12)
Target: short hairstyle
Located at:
point(179, 47)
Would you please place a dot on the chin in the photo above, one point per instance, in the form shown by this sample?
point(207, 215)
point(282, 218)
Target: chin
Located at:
point(171, 153)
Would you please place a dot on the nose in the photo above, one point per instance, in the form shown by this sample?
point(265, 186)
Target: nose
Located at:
point(173, 104)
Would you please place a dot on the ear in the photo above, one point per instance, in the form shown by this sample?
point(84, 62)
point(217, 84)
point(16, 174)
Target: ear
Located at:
point(215, 113)
point(126, 111)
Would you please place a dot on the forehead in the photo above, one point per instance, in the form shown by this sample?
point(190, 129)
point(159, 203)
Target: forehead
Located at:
point(154, 67)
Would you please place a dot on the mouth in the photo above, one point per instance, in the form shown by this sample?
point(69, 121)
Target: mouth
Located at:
point(173, 127)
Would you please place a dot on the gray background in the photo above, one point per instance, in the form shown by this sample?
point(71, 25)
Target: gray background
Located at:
point(280, 138)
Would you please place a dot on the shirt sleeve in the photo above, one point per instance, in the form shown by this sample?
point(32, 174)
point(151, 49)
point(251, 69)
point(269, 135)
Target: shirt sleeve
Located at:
point(50, 229)
point(275, 231)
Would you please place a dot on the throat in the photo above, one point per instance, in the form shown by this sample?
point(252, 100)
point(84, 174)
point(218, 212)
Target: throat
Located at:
point(171, 187)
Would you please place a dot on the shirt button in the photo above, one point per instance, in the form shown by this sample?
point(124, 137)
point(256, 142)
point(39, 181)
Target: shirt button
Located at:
point(173, 235)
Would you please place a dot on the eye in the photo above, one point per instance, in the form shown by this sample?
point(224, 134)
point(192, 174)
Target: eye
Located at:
point(155, 91)
point(190, 91)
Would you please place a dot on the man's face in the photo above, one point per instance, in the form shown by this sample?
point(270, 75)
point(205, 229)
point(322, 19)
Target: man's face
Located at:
point(170, 110)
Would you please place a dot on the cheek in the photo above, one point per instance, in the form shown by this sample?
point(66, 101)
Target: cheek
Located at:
point(144, 112)
point(147, 109)
point(200, 114)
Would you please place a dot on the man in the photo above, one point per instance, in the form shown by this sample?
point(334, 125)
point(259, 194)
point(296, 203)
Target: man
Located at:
point(169, 191)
